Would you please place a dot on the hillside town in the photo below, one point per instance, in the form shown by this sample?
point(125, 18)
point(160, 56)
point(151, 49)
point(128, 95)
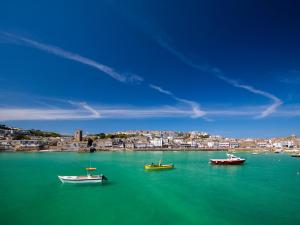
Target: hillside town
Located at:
point(16, 139)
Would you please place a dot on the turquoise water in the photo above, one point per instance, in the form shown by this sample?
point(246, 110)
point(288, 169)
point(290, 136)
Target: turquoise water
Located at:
point(263, 191)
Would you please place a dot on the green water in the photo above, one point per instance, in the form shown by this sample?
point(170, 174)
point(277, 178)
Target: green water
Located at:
point(263, 191)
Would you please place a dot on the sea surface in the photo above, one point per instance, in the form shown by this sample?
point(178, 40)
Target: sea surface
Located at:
point(266, 190)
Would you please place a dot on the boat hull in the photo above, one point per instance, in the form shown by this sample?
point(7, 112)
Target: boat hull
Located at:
point(157, 167)
point(80, 180)
point(227, 162)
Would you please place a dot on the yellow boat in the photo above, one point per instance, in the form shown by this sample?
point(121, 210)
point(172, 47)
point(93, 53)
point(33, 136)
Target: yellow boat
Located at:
point(158, 166)
point(90, 168)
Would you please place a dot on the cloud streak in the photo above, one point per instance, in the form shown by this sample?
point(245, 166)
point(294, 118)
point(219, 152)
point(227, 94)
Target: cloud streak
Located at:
point(94, 113)
point(71, 56)
point(276, 102)
point(196, 109)
point(161, 90)
point(270, 109)
point(121, 77)
point(127, 112)
point(13, 114)
point(197, 112)
point(82, 111)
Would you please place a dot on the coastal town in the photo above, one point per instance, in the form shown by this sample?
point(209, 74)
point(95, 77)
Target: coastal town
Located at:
point(17, 139)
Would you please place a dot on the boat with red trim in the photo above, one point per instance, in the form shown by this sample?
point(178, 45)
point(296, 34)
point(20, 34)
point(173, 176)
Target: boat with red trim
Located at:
point(231, 160)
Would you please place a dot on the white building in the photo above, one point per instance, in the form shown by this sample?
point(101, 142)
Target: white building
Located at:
point(212, 144)
point(28, 144)
point(5, 145)
point(262, 144)
point(156, 142)
point(178, 141)
point(224, 144)
point(104, 143)
point(288, 144)
point(277, 145)
point(234, 144)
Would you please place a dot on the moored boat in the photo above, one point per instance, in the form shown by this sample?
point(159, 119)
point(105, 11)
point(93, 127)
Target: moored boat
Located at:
point(92, 149)
point(231, 160)
point(89, 178)
point(296, 155)
point(278, 151)
point(158, 166)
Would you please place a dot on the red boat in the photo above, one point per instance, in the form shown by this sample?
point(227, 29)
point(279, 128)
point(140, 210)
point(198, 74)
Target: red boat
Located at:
point(231, 160)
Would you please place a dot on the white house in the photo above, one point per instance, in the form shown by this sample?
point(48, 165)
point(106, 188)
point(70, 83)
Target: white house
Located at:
point(156, 142)
point(234, 144)
point(262, 144)
point(212, 144)
point(224, 144)
point(277, 145)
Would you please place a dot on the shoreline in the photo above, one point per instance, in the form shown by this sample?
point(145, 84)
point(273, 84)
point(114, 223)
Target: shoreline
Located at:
point(151, 150)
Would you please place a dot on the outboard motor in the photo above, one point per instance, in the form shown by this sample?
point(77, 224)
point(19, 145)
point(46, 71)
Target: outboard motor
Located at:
point(104, 177)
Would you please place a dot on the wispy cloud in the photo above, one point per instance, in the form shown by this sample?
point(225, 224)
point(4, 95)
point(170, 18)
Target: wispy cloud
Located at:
point(219, 74)
point(141, 113)
point(201, 67)
point(70, 55)
point(129, 112)
point(270, 109)
point(82, 111)
point(94, 113)
point(83, 108)
point(122, 77)
point(8, 114)
point(11, 114)
point(161, 90)
point(197, 112)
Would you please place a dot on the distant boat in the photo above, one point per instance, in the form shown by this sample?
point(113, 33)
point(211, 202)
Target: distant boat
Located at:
point(231, 160)
point(89, 178)
point(92, 149)
point(158, 166)
point(296, 155)
point(278, 151)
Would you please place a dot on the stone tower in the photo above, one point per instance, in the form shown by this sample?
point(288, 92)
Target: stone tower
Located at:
point(78, 135)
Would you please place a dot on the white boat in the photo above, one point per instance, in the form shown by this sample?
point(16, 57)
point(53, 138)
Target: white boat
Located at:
point(89, 178)
point(83, 179)
point(231, 160)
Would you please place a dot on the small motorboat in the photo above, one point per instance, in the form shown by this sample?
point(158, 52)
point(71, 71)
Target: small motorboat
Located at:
point(278, 151)
point(231, 160)
point(158, 166)
point(89, 178)
point(296, 155)
point(92, 149)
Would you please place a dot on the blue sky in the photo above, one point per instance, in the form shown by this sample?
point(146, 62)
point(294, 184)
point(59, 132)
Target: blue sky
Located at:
point(226, 67)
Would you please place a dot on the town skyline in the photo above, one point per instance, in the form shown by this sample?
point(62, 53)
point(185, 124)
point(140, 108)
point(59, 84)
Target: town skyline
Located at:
point(16, 139)
point(233, 72)
point(139, 131)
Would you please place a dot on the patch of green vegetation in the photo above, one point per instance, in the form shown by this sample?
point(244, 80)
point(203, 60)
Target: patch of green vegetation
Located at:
point(21, 137)
point(204, 136)
point(43, 133)
point(4, 127)
point(100, 136)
